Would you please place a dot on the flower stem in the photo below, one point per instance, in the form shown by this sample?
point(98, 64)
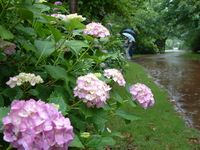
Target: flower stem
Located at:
point(77, 103)
point(10, 147)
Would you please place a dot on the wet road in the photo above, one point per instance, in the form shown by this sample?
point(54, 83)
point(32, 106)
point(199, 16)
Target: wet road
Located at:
point(181, 77)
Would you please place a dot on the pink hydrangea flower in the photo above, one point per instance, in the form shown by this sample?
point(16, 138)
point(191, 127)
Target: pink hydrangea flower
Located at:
point(8, 47)
point(96, 30)
point(104, 51)
point(142, 94)
point(92, 90)
point(58, 3)
point(36, 125)
point(24, 77)
point(115, 75)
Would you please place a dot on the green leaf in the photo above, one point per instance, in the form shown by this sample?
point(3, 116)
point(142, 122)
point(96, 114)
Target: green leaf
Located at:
point(26, 44)
point(86, 111)
point(13, 93)
point(59, 101)
point(39, 92)
point(99, 127)
point(57, 72)
point(78, 122)
point(76, 142)
point(99, 119)
point(72, 24)
point(127, 115)
point(93, 141)
point(2, 56)
point(116, 96)
point(25, 30)
point(108, 141)
point(44, 48)
point(33, 92)
point(3, 113)
point(113, 42)
point(76, 45)
point(56, 34)
point(24, 13)
point(5, 34)
point(87, 37)
point(55, 6)
point(1, 100)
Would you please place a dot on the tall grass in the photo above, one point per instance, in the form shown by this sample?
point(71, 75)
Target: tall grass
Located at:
point(160, 128)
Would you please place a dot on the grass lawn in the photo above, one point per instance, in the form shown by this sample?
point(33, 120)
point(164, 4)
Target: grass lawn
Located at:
point(193, 55)
point(161, 128)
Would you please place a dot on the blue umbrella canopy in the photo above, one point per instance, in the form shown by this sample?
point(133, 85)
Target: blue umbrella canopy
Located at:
point(130, 31)
point(129, 36)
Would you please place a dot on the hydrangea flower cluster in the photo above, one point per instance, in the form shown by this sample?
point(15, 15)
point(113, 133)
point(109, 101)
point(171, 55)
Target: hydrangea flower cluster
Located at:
point(116, 75)
point(8, 48)
point(58, 3)
point(92, 90)
point(75, 17)
point(24, 77)
point(36, 125)
point(96, 30)
point(142, 94)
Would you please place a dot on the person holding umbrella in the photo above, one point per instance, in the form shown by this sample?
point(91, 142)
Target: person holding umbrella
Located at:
point(129, 34)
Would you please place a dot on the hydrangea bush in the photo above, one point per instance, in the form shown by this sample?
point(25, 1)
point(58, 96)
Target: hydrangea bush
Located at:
point(56, 79)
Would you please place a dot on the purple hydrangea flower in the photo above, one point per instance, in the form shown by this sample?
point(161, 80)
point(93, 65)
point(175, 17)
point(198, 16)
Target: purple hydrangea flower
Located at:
point(116, 75)
point(58, 3)
point(96, 30)
point(92, 90)
point(142, 94)
point(36, 125)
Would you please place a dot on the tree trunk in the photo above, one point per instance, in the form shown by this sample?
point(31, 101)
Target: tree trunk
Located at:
point(73, 6)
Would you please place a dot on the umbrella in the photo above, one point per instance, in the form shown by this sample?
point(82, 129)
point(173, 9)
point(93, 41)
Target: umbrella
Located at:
point(130, 31)
point(129, 36)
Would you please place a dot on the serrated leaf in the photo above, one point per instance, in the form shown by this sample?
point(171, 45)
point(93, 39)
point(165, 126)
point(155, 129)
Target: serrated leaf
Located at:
point(3, 113)
point(44, 48)
point(57, 72)
point(127, 115)
point(76, 45)
point(93, 141)
point(116, 96)
point(59, 101)
point(25, 30)
point(25, 13)
point(5, 34)
point(13, 93)
point(78, 122)
point(87, 37)
point(76, 142)
point(56, 34)
point(43, 92)
point(86, 111)
point(108, 141)
point(73, 24)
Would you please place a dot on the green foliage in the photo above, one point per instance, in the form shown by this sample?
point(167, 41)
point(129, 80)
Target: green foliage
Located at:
point(58, 51)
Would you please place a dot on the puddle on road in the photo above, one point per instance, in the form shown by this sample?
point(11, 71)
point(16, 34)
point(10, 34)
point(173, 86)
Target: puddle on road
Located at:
point(181, 77)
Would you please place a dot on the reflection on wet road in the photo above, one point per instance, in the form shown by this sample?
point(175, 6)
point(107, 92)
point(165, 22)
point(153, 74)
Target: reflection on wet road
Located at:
point(181, 77)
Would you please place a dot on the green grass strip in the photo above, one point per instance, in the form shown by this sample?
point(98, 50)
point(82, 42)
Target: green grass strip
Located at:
point(161, 128)
point(193, 55)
